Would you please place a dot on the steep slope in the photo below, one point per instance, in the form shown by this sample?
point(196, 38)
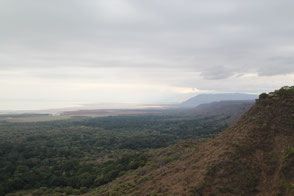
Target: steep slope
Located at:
point(253, 157)
point(208, 98)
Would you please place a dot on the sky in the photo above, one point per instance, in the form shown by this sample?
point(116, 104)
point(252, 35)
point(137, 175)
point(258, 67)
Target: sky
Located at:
point(61, 52)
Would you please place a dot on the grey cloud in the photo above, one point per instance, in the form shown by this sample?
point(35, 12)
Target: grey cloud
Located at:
point(278, 65)
point(187, 36)
point(217, 73)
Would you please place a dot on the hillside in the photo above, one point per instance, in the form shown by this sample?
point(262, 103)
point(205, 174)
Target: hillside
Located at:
point(209, 98)
point(253, 157)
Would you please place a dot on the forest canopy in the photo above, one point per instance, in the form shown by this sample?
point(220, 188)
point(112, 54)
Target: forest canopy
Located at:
point(77, 155)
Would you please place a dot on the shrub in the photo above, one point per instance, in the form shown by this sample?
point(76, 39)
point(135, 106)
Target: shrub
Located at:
point(286, 92)
point(263, 96)
point(290, 152)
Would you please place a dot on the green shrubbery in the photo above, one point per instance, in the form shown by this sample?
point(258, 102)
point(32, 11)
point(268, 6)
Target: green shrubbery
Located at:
point(263, 96)
point(290, 152)
point(284, 91)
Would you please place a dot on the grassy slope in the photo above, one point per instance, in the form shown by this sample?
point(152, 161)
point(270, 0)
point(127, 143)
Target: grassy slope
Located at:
point(253, 157)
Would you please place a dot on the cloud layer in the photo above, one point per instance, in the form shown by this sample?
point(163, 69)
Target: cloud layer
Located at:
point(166, 47)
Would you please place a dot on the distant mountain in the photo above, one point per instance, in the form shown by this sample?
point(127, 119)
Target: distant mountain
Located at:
point(232, 110)
point(208, 98)
point(253, 157)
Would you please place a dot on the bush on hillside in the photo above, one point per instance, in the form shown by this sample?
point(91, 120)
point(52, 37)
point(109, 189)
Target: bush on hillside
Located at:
point(284, 91)
point(263, 96)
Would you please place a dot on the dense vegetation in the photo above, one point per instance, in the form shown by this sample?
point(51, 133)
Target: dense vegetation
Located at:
point(72, 156)
point(286, 91)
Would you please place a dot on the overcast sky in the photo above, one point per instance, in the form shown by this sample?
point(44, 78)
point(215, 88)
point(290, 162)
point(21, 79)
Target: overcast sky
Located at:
point(150, 51)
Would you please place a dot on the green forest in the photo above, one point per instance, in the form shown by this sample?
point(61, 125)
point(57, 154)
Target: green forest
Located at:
point(73, 156)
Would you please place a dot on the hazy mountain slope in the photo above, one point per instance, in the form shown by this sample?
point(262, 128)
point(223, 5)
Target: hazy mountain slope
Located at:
point(232, 109)
point(253, 157)
point(208, 98)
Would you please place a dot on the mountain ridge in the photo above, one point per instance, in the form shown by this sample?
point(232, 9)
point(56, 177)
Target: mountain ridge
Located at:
point(209, 98)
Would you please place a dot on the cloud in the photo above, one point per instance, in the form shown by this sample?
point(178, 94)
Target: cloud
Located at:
point(169, 42)
point(217, 73)
point(278, 65)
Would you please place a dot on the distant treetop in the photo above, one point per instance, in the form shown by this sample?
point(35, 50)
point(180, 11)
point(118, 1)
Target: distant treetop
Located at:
point(285, 91)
